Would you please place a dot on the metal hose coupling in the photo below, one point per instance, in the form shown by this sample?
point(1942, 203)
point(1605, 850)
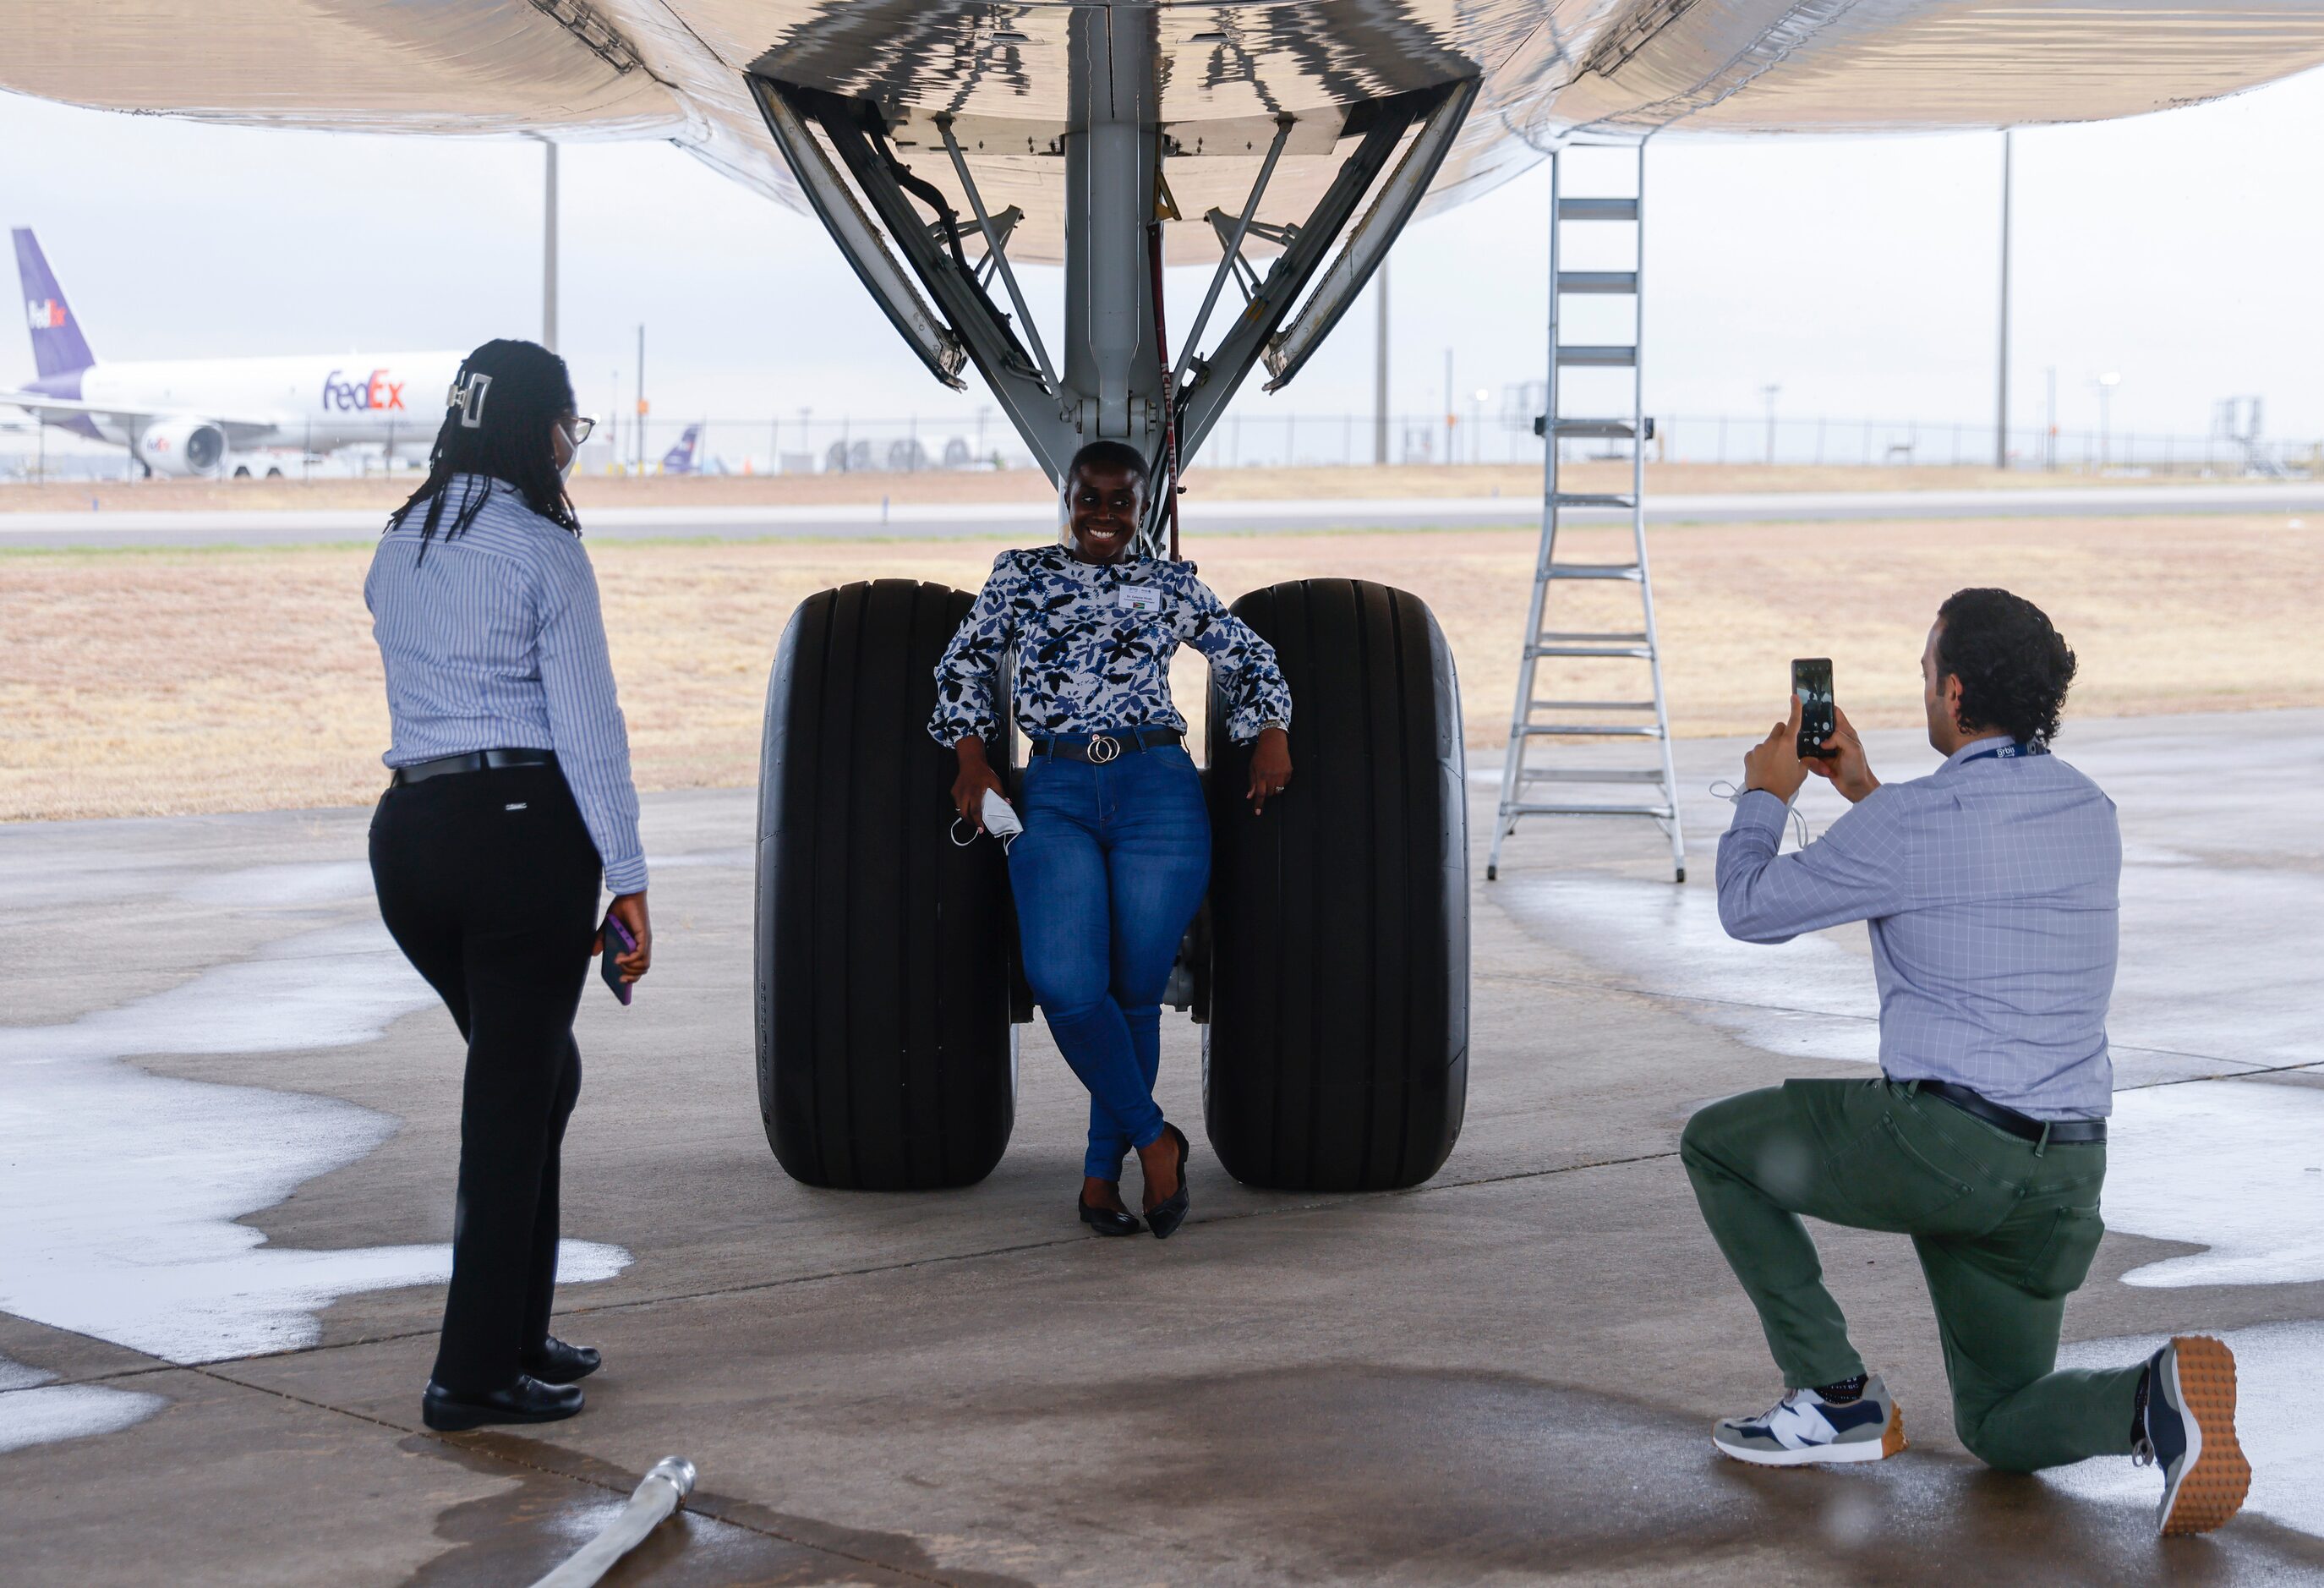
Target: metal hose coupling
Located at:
point(664, 1488)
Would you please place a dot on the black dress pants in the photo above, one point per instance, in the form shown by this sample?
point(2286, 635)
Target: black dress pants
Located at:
point(488, 882)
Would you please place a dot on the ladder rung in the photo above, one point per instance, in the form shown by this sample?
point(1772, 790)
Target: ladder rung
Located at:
point(1597, 209)
point(1587, 775)
point(1637, 652)
point(1612, 430)
point(1590, 731)
point(1598, 355)
point(1571, 637)
point(1659, 812)
point(1593, 570)
point(1532, 707)
point(1592, 499)
point(1597, 281)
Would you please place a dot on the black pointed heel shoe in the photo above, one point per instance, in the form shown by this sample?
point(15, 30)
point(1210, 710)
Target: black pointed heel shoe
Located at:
point(556, 1362)
point(1165, 1217)
point(1107, 1221)
point(525, 1400)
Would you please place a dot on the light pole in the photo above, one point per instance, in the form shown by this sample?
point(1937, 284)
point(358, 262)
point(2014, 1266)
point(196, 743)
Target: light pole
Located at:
point(2001, 363)
point(1379, 367)
point(1476, 445)
point(2107, 384)
point(1768, 393)
point(641, 400)
point(2050, 420)
point(1451, 403)
point(548, 246)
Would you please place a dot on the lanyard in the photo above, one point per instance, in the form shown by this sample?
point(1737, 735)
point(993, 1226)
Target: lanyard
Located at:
point(2009, 751)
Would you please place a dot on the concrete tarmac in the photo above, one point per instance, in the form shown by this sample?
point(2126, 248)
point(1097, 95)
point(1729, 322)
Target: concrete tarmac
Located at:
point(916, 521)
point(228, 1116)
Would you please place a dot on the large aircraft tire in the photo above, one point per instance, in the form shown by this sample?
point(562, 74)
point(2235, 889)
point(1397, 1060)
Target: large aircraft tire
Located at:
point(1336, 1058)
point(885, 1057)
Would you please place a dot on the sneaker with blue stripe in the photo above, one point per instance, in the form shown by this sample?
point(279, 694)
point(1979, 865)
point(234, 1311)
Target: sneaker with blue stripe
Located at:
point(2190, 1432)
point(1804, 1429)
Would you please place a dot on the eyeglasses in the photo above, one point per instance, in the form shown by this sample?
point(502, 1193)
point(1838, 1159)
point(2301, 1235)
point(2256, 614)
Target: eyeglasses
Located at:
point(581, 428)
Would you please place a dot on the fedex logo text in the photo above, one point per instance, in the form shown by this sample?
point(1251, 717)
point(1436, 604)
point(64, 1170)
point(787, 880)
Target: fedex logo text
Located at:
point(375, 392)
point(44, 314)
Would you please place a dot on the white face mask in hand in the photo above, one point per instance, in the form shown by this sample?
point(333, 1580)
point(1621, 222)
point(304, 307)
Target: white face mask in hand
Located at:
point(1000, 817)
point(999, 820)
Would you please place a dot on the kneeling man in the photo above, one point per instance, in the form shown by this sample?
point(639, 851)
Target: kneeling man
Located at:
point(1990, 888)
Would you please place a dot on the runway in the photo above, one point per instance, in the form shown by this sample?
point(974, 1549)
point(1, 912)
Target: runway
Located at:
point(229, 1136)
point(112, 528)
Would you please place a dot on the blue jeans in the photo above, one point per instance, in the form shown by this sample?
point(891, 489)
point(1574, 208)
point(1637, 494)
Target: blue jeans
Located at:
point(1108, 872)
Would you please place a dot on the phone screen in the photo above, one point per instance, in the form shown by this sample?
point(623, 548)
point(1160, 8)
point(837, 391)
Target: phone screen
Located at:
point(1812, 686)
point(618, 941)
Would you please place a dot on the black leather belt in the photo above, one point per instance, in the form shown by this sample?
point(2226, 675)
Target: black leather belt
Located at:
point(2067, 1133)
point(476, 761)
point(1105, 747)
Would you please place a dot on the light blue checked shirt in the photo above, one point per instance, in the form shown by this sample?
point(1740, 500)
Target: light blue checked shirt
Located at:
point(1991, 888)
point(495, 643)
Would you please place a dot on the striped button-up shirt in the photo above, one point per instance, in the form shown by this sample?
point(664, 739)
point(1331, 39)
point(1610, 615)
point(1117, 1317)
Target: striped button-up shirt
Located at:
point(494, 642)
point(1991, 887)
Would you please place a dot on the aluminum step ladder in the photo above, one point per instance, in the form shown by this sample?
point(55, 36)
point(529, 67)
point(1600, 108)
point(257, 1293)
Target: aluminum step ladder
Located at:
point(1606, 378)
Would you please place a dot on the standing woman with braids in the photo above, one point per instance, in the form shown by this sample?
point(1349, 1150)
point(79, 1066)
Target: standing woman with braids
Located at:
point(509, 796)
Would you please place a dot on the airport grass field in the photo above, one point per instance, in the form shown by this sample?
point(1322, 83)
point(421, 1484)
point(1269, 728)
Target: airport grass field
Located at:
point(151, 682)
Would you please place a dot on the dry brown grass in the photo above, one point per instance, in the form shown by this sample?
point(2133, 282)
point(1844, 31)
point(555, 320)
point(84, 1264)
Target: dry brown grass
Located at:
point(162, 682)
point(1515, 481)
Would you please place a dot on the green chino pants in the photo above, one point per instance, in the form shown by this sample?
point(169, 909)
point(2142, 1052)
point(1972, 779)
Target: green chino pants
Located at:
point(2005, 1230)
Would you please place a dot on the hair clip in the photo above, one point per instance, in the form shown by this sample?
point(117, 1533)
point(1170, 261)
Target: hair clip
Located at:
point(469, 397)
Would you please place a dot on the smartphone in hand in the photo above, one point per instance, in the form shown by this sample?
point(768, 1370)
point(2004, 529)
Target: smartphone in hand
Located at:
point(618, 942)
point(1811, 687)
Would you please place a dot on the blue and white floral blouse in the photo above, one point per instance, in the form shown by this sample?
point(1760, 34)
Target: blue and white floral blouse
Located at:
point(1094, 643)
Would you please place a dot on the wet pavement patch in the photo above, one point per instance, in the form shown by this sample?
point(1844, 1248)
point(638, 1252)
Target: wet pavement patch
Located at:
point(118, 1218)
point(561, 1498)
point(1388, 1474)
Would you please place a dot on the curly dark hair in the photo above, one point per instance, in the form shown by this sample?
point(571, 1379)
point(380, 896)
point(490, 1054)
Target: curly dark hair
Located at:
point(2014, 667)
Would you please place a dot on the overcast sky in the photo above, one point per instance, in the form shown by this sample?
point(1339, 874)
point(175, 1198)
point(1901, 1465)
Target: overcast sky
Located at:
point(1858, 275)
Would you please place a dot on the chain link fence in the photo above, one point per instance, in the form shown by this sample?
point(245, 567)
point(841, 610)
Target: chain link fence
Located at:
point(807, 443)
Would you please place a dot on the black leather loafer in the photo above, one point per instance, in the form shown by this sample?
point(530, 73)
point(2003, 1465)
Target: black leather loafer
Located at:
point(526, 1400)
point(1165, 1215)
point(556, 1362)
point(1107, 1221)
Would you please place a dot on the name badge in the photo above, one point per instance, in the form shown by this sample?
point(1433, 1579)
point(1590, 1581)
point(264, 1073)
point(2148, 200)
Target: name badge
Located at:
point(1136, 598)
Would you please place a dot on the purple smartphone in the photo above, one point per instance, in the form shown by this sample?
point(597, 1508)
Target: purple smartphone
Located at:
point(617, 941)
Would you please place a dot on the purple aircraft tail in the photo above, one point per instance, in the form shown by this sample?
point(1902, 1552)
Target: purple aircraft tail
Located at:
point(679, 460)
point(57, 346)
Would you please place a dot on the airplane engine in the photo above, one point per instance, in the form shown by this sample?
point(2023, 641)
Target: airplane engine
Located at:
point(182, 447)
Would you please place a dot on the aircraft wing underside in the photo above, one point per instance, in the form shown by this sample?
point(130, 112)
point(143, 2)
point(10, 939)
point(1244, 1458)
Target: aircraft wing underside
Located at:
point(677, 69)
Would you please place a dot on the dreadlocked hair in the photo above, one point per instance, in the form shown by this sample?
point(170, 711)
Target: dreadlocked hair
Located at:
point(498, 417)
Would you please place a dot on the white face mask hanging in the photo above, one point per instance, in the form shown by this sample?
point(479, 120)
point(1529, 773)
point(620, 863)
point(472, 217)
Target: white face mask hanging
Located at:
point(572, 453)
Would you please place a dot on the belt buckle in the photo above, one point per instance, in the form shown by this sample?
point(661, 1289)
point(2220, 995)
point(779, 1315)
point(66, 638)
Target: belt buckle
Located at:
point(1104, 748)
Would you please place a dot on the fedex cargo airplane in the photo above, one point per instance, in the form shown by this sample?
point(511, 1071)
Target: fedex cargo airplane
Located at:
point(196, 416)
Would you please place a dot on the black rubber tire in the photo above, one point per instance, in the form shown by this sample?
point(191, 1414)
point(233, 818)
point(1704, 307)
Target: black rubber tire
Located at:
point(1337, 1055)
point(885, 1056)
